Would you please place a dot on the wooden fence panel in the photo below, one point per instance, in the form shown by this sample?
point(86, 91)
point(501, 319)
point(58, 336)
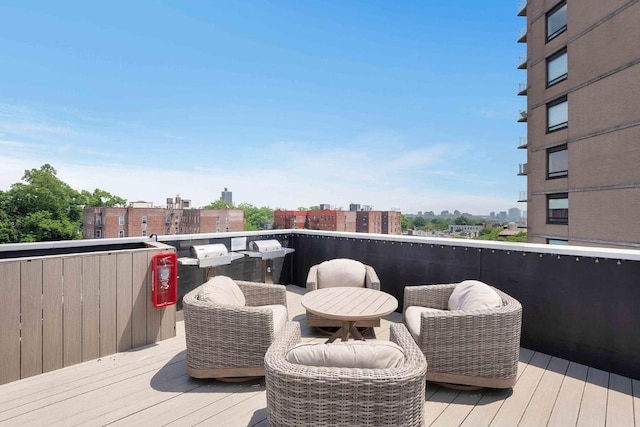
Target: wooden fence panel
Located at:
point(10, 322)
point(108, 334)
point(59, 311)
point(90, 307)
point(31, 310)
point(52, 314)
point(140, 298)
point(124, 289)
point(72, 311)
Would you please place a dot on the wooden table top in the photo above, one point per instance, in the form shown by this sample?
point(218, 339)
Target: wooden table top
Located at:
point(349, 303)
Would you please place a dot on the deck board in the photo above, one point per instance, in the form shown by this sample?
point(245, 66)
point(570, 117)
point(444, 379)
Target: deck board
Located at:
point(567, 405)
point(593, 410)
point(148, 384)
point(541, 405)
point(619, 401)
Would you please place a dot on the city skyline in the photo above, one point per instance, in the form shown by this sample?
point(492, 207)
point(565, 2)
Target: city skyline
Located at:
point(397, 105)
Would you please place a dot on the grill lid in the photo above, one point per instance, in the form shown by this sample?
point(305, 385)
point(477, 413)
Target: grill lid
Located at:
point(209, 255)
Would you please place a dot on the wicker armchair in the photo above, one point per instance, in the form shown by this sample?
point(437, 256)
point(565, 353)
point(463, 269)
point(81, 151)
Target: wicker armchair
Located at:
point(474, 348)
point(225, 341)
point(369, 280)
point(299, 395)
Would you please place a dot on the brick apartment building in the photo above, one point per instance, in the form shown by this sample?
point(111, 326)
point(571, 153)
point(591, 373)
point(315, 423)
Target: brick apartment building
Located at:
point(142, 219)
point(583, 121)
point(384, 222)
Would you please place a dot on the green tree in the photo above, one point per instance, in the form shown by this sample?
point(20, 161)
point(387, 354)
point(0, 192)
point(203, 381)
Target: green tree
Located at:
point(219, 204)
point(255, 217)
point(99, 198)
point(492, 233)
point(419, 222)
point(461, 220)
point(404, 222)
point(42, 208)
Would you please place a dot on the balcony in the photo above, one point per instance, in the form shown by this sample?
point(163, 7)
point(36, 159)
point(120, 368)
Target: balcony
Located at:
point(523, 116)
point(522, 89)
point(522, 197)
point(522, 8)
point(578, 361)
point(522, 142)
point(522, 63)
point(522, 35)
point(522, 169)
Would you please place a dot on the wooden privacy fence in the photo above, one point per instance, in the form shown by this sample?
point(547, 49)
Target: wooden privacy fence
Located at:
point(56, 311)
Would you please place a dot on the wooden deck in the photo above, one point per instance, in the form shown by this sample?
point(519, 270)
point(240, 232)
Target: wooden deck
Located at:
point(149, 386)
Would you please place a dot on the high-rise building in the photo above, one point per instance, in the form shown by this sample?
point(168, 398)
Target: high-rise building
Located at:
point(583, 121)
point(227, 196)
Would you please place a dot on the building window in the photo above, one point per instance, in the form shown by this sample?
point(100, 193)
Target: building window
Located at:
point(557, 20)
point(144, 233)
point(557, 67)
point(558, 208)
point(557, 114)
point(98, 234)
point(557, 162)
point(227, 218)
point(217, 220)
point(121, 233)
point(144, 219)
point(217, 229)
point(561, 242)
point(121, 220)
point(227, 229)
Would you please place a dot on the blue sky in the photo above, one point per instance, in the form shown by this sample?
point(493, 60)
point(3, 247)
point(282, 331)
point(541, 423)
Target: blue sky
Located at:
point(395, 104)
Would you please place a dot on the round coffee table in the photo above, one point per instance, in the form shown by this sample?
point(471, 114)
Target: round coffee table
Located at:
point(349, 305)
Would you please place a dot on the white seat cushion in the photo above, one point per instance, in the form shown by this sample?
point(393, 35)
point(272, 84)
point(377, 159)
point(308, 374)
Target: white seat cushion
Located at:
point(359, 354)
point(341, 272)
point(221, 290)
point(473, 295)
point(279, 316)
point(412, 316)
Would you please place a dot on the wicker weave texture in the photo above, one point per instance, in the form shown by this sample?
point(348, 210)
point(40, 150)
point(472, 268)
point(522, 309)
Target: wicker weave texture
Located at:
point(299, 395)
point(225, 336)
point(483, 344)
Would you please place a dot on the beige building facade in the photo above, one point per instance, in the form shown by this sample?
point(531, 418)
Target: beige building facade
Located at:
point(583, 121)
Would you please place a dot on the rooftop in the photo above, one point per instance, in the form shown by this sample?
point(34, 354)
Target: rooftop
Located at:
point(76, 316)
point(149, 386)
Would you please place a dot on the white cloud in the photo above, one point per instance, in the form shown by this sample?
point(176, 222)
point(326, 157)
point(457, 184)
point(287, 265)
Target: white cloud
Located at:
point(377, 168)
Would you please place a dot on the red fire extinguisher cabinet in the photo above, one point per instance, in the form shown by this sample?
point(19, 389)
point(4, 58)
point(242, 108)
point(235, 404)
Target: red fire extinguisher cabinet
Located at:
point(164, 286)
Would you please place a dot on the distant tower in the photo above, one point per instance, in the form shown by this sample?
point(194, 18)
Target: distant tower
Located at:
point(227, 196)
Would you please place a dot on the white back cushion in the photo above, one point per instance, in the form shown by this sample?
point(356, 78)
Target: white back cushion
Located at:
point(341, 272)
point(473, 295)
point(221, 290)
point(363, 355)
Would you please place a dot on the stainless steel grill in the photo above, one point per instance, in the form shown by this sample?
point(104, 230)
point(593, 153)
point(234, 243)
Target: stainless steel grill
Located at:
point(212, 255)
point(267, 249)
